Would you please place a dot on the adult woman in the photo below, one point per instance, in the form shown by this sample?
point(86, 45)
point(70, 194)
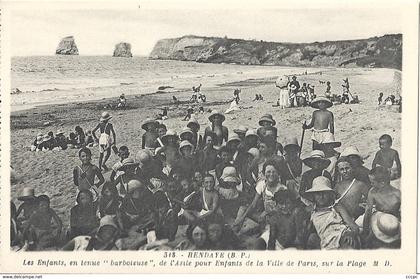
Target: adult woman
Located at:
point(196, 238)
point(216, 119)
point(267, 149)
point(265, 190)
point(282, 83)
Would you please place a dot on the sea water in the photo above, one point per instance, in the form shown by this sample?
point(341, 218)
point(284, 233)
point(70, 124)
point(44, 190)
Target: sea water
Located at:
point(41, 80)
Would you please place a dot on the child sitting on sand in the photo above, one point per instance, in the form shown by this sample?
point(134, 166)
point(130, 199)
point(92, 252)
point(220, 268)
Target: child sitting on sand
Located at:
point(197, 139)
point(292, 166)
point(127, 169)
point(80, 137)
point(71, 140)
point(225, 160)
point(169, 153)
point(89, 139)
point(83, 218)
point(161, 130)
point(210, 155)
point(84, 175)
point(60, 140)
point(123, 153)
point(322, 121)
point(190, 112)
point(165, 219)
point(109, 201)
point(386, 156)
point(105, 140)
point(29, 205)
point(333, 224)
point(267, 123)
point(148, 140)
point(40, 231)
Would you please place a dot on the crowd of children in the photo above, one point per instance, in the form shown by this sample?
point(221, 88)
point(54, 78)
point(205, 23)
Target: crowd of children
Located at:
point(246, 189)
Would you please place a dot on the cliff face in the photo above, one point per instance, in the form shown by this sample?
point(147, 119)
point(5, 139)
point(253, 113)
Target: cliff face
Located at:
point(122, 50)
point(385, 51)
point(67, 46)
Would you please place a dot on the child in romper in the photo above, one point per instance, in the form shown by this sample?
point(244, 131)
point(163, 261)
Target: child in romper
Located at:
point(386, 156)
point(85, 174)
point(105, 140)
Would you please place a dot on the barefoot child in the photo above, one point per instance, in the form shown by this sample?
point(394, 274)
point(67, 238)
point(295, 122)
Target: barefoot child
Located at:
point(105, 139)
point(222, 132)
point(322, 121)
point(83, 218)
point(386, 156)
point(123, 153)
point(149, 138)
point(85, 174)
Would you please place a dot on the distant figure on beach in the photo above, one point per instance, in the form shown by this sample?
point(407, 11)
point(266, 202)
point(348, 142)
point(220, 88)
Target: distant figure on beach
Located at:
point(328, 90)
point(294, 87)
point(196, 92)
point(236, 93)
point(190, 112)
point(282, 83)
point(380, 97)
point(346, 91)
point(322, 121)
point(164, 114)
point(105, 140)
point(149, 138)
point(216, 119)
point(122, 102)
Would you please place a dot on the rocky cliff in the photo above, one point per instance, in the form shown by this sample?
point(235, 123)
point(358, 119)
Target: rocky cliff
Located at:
point(67, 46)
point(122, 50)
point(385, 51)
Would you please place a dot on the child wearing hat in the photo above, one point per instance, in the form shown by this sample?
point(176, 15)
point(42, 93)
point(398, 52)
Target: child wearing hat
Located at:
point(229, 195)
point(37, 142)
point(105, 140)
point(149, 138)
point(322, 121)
point(328, 147)
point(267, 123)
point(251, 139)
point(188, 162)
point(334, 226)
point(209, 158)
point(225, 160)
point(28, 206)
point(128, 172)
point(317, 164)
point(292, 166)
point(385, 232)
point(169, 153)
point(360, 172)
point(84, 175)
point(197, 139)
point(222, 133)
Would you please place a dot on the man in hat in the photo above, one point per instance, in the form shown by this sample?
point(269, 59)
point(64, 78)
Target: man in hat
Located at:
point(294, 87)
point(222, 133)
point(317, 162)
point(105, 140)
point(352, 191)
point(149, 138)
point(322, 121)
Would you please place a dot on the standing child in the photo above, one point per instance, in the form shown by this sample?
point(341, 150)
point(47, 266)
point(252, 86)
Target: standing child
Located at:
point(222, 133)
point(386, 156)
point(149, 138)
point(267, 123)
point(105, 140)
point(197, 139)
point(123, 153)
point(85, 174)
point(161, 129)
point(322, 121)
point(40, 231)
point(210, 158)
point(83, 218)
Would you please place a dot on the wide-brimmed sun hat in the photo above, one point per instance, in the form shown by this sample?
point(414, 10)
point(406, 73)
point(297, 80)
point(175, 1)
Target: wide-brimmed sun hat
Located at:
point(315, 103)
point(351, 150)
point(268, 118)
point(385, 227)
point(168, 134)
point(147, 122)
point(185, 143)
point(233, 137)
point(216, 113)
point(105, 116)
point(319, 184)
point(128, 162)
point(317, 156)
point(240, 130)
point(28, 193)
point(329, 139)
point(290, 142)
point(133, 185)
point(193, 122)
point(229, 175)
point(251, 133)
point(186, 130)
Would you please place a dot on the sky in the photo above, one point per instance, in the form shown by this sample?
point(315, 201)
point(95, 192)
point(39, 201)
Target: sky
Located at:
point(38, 32)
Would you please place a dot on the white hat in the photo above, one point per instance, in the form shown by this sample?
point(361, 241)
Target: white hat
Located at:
point(385, 227)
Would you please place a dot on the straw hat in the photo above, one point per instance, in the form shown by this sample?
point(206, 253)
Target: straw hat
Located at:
point(133, 185)
point(317, 156)
point(385, 227)
point(105, 116)
point(59, 132)
point(229, 175)
point(27, 194)
point(233, 137)
point(216, 113)
point(240, 130)
point(147, 122)
point(186, 130)
point(193, 122)
point(320, 184)
point(169, 133)
point(128, 162)
point(351, 150)
point(267, 117)
point(251, 133)
point(290, 142)
point(185, 143)
point(330, 140)
point(315, 103)
point(254, 152)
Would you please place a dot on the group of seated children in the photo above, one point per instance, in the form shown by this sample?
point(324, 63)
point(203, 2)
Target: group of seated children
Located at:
point(76, 139)
point(224, 190)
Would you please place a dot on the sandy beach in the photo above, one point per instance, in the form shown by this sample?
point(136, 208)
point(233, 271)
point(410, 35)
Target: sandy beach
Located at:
point(50, 172)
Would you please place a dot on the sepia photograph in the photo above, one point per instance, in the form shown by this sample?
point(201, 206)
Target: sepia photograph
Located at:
point(205, 129)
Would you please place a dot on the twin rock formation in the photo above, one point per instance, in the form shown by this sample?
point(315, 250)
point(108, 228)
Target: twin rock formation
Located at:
point(67, 46)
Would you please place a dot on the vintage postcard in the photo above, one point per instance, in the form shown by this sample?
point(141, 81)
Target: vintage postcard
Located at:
point(209, 136)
